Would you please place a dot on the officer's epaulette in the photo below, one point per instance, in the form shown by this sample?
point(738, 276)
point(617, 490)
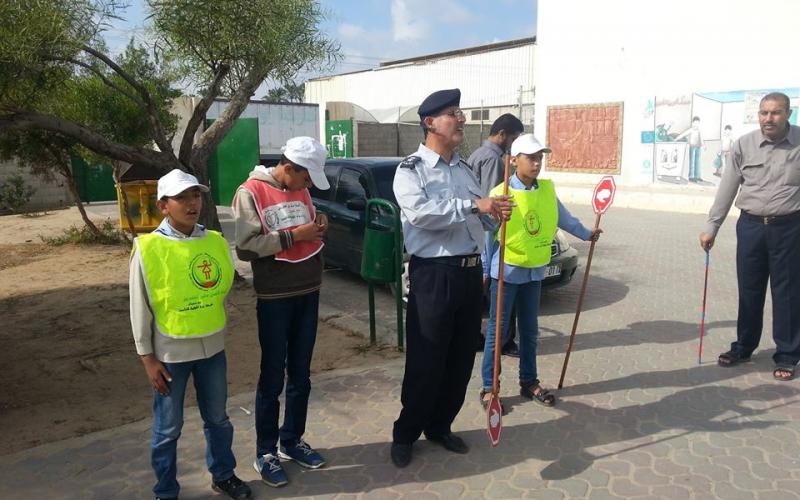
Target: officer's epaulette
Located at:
point(410, 162)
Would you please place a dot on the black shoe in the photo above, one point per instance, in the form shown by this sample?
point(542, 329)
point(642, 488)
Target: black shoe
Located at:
point(451, 442)
point(401, 454)
point(233, 487)
point(510, 349)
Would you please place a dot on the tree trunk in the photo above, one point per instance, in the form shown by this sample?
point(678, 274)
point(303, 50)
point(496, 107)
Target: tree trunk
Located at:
point(73, 189)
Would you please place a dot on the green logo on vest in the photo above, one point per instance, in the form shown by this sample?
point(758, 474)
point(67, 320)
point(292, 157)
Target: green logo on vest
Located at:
point(532, 223)
point(205, 271)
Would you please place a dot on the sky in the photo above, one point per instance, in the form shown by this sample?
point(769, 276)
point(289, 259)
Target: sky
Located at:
point(373, 31)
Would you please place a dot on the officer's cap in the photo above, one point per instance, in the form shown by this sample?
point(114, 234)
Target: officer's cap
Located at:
point(438, 101)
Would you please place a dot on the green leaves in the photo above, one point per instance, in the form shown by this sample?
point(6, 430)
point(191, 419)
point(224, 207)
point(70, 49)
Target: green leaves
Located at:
point(267, 38)
point(63, 93)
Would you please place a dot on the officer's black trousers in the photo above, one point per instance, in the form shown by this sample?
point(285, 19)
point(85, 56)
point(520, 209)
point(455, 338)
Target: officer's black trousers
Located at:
point(442, 321)
point(768, 253)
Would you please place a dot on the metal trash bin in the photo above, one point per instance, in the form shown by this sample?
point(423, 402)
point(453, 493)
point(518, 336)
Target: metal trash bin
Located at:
point(382, 257)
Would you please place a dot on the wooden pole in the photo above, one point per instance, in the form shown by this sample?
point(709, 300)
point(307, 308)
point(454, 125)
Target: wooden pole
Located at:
point(498, 337)
point(580, 303)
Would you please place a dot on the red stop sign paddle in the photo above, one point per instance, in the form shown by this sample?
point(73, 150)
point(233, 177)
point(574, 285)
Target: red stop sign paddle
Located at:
point(601, 199)
point(603, 194)
point(494, 419)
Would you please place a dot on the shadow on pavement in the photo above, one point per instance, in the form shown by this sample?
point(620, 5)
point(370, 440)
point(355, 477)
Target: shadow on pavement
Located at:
point(640, 332)
point(563, 441)
point(707, 373)
point(600, 292)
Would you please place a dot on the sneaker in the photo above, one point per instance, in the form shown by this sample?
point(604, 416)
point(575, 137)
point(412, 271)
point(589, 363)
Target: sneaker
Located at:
point(233, 487)
point(303, 454)
point(271, 471)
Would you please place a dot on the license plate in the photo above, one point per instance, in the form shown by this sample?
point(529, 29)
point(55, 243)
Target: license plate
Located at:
point(553, 270)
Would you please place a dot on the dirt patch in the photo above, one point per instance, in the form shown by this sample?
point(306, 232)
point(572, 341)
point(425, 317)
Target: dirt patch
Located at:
point(69, 361)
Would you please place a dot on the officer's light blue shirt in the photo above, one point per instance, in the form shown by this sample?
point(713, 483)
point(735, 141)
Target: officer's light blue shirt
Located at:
point(435, 199)
point(519, 275)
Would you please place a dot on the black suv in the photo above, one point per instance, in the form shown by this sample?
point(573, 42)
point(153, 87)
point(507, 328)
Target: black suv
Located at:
point(355, 180)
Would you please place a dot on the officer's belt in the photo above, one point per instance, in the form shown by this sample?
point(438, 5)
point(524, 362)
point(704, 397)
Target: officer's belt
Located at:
point(456, 260)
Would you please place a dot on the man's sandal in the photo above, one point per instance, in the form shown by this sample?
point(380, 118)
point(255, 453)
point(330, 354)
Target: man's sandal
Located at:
point(535, 392)
point(731, 358)
point(784, 373)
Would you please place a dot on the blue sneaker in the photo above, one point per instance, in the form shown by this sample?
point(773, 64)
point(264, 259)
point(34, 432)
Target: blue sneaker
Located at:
point(303, 454)
point(271, 471)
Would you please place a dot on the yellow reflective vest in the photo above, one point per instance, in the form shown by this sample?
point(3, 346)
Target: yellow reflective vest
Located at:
point(533, 224)
point(187, 281)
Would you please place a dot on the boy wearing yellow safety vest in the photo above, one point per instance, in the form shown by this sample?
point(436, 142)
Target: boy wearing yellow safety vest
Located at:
point(529, 235)
point(180, 275)
point(280, 234)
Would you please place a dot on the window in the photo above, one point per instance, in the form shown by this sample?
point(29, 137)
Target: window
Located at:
point(479, 114)
point(330, 172)
point(351, 185)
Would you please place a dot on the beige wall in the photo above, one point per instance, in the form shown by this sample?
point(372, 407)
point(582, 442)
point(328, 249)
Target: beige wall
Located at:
point(48, 195)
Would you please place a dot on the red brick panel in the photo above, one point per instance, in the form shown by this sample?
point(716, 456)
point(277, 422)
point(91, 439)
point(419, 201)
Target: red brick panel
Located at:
point(585, 138)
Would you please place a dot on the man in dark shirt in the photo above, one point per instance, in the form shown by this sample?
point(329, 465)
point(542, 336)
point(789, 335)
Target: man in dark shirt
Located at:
point(487, 165)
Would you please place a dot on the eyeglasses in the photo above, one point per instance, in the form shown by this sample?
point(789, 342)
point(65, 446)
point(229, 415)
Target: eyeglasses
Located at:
point(455, 113)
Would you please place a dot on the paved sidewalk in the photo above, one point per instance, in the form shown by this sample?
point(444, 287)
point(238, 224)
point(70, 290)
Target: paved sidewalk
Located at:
point(638, 416)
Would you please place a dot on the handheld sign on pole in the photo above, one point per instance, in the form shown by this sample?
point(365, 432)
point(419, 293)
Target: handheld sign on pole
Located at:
point(494, 420)
point(602, 198)
point(494, 411)
point(603, 195)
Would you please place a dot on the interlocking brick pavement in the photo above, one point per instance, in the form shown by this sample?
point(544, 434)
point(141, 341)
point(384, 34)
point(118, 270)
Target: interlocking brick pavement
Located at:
point(637, 418)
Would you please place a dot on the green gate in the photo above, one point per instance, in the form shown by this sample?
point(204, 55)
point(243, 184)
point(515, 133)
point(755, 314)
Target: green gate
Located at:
point(94, 182)
point(233, 159)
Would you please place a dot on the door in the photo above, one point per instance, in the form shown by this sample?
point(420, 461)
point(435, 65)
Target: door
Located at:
point(346, 217)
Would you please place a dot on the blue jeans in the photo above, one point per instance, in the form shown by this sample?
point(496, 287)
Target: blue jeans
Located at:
point(211, 386)
point(694, 162)
point(287, 330)
point(526, 296)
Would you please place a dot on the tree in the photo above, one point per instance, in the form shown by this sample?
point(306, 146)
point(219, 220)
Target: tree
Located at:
point(291, 92)
point(51, 49)
point(90, 97)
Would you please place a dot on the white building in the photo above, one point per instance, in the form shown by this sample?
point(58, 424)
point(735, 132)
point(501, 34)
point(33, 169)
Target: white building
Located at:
point(666, 65)
point(494, 79)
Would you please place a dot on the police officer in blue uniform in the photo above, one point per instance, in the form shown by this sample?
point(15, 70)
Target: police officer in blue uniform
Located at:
point(444, 214)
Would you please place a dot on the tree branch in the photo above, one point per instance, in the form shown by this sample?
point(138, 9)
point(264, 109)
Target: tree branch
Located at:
point(108, 82)
point(158, 129)
point(214, 134)
point(199, 113)
point(158, 160)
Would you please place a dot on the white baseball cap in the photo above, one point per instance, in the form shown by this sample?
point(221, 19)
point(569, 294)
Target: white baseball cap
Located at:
point(176, 182)
point(308, 153)
point(527, 144)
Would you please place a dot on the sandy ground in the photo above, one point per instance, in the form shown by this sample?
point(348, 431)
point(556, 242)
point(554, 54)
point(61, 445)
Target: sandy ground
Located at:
point(67, 353)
